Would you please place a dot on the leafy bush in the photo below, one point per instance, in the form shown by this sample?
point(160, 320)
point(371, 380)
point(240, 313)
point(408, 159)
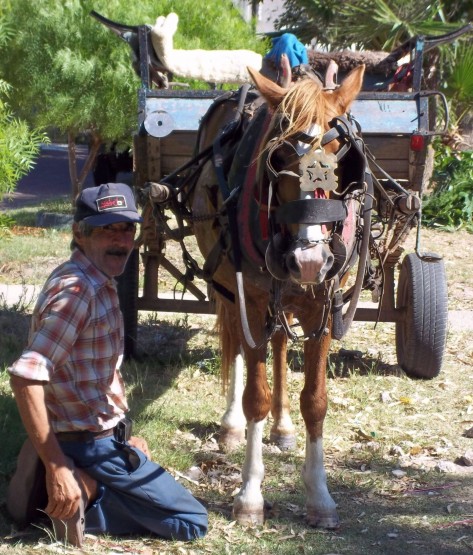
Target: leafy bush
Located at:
point(450, 205)
point(6, 222)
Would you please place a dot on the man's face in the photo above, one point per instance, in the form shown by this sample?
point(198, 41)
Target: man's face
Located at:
point(108, 247)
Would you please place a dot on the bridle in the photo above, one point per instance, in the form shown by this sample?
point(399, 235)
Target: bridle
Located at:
point(318, 180)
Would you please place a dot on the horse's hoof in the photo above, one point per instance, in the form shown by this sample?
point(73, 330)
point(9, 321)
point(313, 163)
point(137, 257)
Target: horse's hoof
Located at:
point(318, 519)
point(247, 517)
point(284, 442)
point(229, 440)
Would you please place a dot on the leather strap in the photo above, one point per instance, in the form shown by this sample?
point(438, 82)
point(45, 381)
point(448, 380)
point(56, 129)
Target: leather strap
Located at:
point(84, 436)
point(311, 211)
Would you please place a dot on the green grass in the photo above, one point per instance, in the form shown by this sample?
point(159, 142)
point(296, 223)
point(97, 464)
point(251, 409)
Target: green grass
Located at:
point(26, 216)
point(378, 421)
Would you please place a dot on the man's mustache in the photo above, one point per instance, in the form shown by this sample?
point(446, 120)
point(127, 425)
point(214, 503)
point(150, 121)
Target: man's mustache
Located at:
point(117, 252)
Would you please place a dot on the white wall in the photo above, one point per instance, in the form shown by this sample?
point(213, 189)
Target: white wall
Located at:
point(268, 11)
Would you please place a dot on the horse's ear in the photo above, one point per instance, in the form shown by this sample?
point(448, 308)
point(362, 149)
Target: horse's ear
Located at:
point(270, 90)
point(349, 89)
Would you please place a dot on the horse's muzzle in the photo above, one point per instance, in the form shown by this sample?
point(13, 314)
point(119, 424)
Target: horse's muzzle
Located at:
point(308, 264)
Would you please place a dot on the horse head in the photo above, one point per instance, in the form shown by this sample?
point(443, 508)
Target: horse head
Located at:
point(299, 170)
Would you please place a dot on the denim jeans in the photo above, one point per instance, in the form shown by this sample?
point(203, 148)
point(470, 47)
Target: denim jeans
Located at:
point(136, 495)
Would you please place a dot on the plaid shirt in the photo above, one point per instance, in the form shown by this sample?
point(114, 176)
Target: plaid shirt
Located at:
point(76, 346)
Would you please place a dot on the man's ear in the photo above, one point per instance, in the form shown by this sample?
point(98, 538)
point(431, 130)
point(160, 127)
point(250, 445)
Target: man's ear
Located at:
point(76, 232)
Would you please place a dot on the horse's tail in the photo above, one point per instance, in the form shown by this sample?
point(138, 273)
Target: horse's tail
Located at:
point(228, 339)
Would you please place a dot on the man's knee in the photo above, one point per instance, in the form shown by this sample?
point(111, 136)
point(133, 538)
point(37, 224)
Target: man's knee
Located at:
point(188, 532)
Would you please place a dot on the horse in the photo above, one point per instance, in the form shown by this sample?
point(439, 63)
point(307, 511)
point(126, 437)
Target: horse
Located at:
point(277, 218)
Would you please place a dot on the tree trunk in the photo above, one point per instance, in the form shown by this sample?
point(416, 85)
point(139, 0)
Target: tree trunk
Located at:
point(77, 180)
point(71, 148)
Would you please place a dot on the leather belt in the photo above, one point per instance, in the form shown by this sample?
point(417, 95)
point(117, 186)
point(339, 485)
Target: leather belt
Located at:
point(84, 436)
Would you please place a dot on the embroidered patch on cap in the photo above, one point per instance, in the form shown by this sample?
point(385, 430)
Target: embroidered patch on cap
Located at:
point(114, 202)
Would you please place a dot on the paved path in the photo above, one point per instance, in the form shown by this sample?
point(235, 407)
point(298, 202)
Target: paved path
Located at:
point(49, 178)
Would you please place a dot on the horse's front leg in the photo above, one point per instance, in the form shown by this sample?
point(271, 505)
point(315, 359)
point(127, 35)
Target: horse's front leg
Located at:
point(282, 431)
point(233, 423)
point(321, 508)
point(248, 506)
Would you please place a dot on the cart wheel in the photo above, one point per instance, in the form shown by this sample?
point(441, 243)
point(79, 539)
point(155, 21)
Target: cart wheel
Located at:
point(421, 334)
point(127, 286)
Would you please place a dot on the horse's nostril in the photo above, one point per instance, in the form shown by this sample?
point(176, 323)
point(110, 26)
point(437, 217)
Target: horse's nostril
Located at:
point(329, 262)
point(292, 264)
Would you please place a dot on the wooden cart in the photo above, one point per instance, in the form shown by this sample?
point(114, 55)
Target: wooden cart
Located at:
point(397, 129)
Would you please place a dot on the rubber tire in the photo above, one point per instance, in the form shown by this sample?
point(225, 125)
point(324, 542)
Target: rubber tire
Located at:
point(422, 333)
point(127, 286)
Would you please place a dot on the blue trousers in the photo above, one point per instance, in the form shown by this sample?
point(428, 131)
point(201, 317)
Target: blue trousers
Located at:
point(136, 495)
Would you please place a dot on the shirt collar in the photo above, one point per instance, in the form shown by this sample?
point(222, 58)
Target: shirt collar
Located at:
point(89, 269)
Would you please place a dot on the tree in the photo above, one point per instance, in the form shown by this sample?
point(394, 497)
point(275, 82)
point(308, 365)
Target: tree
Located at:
point(19, 145)
point(386, 24)
point(369, 24)
point(73, 74)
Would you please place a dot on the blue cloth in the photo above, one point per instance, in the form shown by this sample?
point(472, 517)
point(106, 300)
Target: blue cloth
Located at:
point(288, 44)
point(136, 495)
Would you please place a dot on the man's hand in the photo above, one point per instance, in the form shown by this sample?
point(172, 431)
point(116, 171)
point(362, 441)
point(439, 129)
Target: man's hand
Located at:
point(140, 444)
point(64, 493)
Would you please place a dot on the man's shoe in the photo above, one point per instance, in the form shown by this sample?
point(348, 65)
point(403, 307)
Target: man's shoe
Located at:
point(26, 495)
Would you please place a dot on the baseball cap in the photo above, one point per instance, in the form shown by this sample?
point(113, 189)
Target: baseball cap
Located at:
point(106, 204)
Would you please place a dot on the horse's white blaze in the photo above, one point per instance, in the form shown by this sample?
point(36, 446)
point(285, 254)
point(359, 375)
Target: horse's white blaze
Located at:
point(310, 232)
point(250, 500)
point(234, 419)
point(311, 260)
point(315, 478)
point(314, 131)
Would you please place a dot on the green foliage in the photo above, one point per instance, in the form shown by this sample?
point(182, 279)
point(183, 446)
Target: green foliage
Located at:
point(371, 24)
point(459, 84)
point(450, 205)
point(75, 74)
point(6, 223)
point(19, 145)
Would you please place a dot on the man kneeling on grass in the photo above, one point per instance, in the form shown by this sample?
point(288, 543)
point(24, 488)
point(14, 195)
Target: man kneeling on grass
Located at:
point(80, 463)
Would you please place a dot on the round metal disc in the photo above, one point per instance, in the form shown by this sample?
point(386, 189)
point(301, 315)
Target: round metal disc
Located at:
point(159, 124)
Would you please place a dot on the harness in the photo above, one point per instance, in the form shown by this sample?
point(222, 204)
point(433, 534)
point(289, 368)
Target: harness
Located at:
point(322, 210)
point(237, 138)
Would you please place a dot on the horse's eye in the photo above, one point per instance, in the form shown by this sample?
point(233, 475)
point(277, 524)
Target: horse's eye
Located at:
point(284, 157)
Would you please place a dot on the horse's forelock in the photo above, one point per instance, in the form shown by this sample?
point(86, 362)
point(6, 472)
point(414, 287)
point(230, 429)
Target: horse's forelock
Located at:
point(303, 105)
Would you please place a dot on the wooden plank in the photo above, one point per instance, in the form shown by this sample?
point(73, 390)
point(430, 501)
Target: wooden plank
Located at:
point(183, 113)
point(177, 149)
point(169, 153)
point(393, 167)
point(387, 115)
point(181, 143)
point(171, 163)
point(388, 147)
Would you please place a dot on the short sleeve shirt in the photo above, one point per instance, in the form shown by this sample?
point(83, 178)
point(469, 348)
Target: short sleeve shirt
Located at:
point(75, 348)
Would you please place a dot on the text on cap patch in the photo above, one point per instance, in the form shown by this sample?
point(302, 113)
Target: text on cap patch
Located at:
point(113, 202)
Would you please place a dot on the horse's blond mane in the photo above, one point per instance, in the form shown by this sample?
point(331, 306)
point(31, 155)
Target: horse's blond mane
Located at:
point(303, 105)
